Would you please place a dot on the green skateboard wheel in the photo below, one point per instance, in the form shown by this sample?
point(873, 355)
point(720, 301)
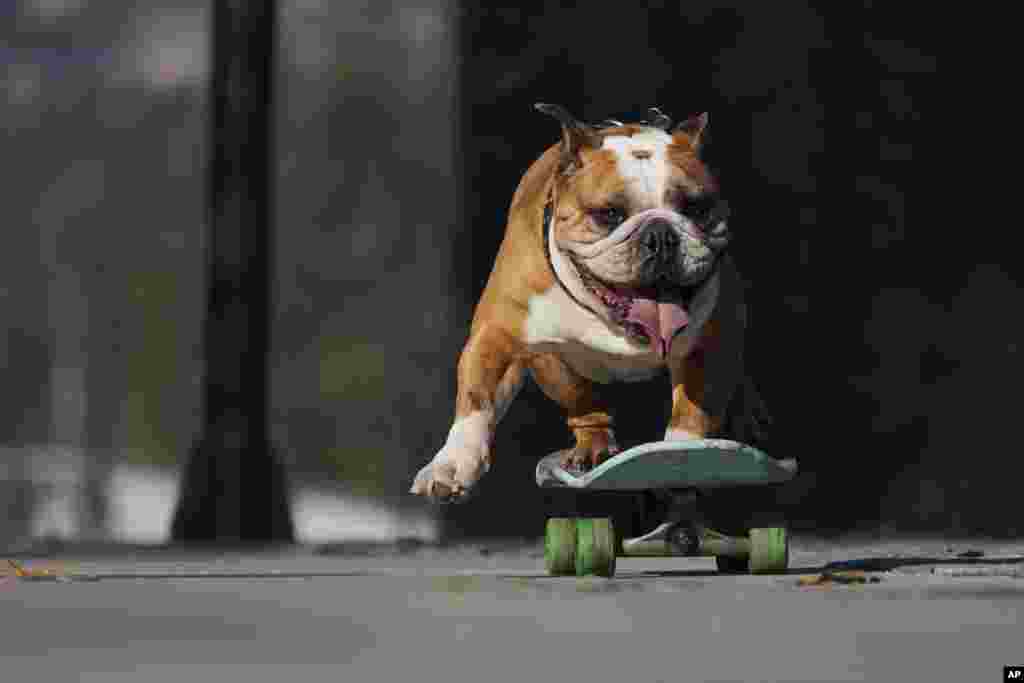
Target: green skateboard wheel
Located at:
point(769, 550)
point(595, 547)
point(560, 546)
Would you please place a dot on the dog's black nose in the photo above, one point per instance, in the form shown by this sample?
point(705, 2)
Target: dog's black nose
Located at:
point(660, 240)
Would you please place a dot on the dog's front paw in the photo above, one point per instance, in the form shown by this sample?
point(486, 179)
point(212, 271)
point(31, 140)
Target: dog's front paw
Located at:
point(592, 448)
point(677, 434)
point(451, 475)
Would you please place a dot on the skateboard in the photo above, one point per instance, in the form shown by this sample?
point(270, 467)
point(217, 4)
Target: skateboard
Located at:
point(677, 472)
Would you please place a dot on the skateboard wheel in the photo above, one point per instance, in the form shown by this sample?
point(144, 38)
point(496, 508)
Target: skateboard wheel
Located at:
point(769, 550)
point(560, 546)
point(727, 564)
point(595, 547)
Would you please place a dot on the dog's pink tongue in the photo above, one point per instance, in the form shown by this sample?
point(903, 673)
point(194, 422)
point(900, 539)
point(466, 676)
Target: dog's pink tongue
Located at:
point(660, 320)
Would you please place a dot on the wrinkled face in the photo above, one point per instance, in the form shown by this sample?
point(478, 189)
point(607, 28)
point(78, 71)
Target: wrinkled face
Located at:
point(642, 223)
point(642, 209)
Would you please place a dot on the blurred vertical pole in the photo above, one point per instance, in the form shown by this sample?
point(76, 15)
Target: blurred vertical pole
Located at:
point(234, 486)
point(69, 311)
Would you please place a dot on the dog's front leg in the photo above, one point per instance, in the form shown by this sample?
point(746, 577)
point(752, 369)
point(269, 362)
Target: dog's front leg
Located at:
point(490, 375)
point(705, 378)
point(703, 382)
point(692, 417)
point(587, 413)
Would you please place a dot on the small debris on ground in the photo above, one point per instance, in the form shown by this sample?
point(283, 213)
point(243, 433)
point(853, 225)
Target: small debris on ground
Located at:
point(62, 574)
point(971, 554)
point(25, 572)
point(35, 574)
point(841, 577)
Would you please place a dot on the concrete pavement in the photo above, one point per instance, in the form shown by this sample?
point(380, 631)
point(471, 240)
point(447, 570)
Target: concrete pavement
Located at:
point(488, 613)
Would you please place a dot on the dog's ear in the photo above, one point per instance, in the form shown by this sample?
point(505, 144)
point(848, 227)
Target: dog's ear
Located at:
point(658, 119)
point(695, 129)
point(576, 135)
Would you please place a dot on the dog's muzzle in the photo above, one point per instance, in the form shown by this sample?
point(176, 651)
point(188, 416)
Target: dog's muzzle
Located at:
point(659, 242)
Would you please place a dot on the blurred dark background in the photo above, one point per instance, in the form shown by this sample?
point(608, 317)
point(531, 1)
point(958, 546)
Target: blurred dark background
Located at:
point(401, 132)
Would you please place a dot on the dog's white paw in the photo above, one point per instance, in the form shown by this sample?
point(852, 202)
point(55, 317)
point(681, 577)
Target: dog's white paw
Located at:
point(674, 434)
point(451, 475)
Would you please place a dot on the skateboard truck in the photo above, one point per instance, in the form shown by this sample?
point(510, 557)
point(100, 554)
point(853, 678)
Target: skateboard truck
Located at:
point(684, 534)
point(685, 540)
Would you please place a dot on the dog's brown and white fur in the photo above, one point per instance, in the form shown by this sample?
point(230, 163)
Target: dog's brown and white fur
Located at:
point(627, 278)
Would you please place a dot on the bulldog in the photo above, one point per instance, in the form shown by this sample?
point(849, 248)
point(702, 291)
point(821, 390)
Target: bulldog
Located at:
point(612, 269)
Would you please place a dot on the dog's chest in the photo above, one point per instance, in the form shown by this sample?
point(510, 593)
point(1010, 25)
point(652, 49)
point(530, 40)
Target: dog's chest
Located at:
point(555, 323)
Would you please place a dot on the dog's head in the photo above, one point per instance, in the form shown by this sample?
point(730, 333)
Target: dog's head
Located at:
point(636, 220)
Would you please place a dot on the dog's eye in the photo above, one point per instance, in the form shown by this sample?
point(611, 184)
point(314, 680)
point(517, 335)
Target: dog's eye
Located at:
point(609, 216)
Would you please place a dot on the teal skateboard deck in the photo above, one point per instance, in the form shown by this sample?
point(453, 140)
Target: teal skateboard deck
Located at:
point(659, 465)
